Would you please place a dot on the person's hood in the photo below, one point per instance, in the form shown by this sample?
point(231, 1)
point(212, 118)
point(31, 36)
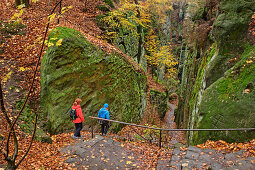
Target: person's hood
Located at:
point(76, 106)
point(104, 109)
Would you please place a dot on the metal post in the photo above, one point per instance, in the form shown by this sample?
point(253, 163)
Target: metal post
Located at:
point(92, 128)
point(160, 134)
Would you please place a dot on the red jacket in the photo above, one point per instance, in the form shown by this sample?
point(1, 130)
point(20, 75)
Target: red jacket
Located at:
point(80, 117)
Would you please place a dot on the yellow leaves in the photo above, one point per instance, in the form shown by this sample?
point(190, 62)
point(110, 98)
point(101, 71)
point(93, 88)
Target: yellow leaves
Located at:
point(158, 8)
point(52, 17)
point(59, 42)
point(128, 162)
point(51, 42)
point(34, 1)
point(16, 16)
point(112, 34)
point(160, 55)
point(22, 69)
point(65, 9)
point(249, 61)
point(8, 76)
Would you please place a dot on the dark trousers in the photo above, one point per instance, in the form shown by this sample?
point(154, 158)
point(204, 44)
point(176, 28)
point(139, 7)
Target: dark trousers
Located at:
point(104, 127)
point(78, 127)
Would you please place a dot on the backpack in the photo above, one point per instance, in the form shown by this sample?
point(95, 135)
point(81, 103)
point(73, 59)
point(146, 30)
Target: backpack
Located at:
point(73, 114)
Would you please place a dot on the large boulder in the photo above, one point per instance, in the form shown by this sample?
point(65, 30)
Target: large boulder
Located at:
point(76, 68)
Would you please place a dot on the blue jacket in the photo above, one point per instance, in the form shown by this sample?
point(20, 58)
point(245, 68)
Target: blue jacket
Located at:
point(103, 113)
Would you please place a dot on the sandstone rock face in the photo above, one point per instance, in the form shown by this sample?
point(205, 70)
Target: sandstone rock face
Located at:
point(229, 103)
point(229, 29)
point(76, 68)
point(226, 85)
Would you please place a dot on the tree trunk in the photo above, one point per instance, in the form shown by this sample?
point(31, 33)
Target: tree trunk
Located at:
point(11, 165)
point(139, 31)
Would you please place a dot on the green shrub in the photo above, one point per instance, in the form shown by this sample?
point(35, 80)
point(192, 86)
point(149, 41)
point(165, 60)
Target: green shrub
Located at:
point(110, 3)
point(103, 8)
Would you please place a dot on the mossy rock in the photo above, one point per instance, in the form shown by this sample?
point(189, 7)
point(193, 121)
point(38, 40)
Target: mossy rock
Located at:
point(77, 68)
point(127, 42)
point(232, 23)
point(229, 103)
point(230, 30)
point(159, 101)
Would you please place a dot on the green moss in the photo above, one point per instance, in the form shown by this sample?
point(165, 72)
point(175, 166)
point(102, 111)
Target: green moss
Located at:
point(200, 74)
point(225, 105)
point(159, 101)
point(229, 30)
point(200, 14)
point(231, 25)
point(79, 69)
point(27, 122)
point(103, 8)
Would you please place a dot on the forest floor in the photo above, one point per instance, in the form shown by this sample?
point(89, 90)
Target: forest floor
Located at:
point(20, 49)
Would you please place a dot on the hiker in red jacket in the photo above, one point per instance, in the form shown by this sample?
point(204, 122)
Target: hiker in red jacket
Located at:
point(78, 121)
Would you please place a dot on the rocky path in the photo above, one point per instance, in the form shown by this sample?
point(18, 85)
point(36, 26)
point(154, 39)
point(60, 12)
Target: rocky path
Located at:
point(100, 153)
point(170, 124)
point(105, 153)
point(196, 158)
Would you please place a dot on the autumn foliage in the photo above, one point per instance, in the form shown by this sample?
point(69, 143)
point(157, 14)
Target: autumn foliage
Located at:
point(19, 61)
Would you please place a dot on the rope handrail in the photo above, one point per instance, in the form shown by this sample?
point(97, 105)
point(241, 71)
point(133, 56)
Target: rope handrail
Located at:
point(232, 129)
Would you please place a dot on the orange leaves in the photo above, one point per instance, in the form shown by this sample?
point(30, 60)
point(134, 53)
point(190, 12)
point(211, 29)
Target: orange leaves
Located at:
point(231, 147)
point(47, 156)
point(251, 30)
point(183, 148)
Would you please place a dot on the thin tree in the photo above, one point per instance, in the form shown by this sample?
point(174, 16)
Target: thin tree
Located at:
point(11, 159)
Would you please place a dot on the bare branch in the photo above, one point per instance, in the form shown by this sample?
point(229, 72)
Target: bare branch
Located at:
point(16, 145)
point(11, 161)
point(2, 104)
point(33, 80)
point(6, 116)
point(31, 142)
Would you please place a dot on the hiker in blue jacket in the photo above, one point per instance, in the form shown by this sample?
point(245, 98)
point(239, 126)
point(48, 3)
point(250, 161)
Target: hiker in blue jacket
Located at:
point(104, 113)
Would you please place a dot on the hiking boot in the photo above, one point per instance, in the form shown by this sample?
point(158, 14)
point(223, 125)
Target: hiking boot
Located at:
point(75, 137)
